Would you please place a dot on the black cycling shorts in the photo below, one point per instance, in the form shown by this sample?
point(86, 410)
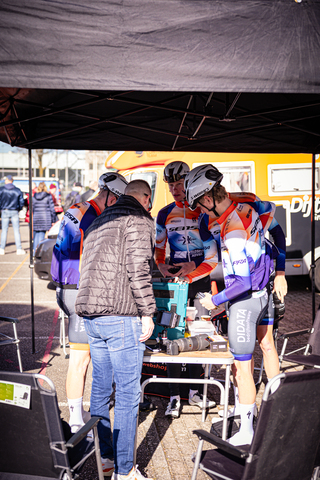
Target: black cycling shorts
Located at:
point(66, 299)
point(244, 316)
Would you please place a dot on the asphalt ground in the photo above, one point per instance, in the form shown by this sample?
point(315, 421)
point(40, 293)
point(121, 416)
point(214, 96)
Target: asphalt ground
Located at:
point(164, 446)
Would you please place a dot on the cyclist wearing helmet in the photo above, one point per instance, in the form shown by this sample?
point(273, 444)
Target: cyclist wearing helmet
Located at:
point(278, 284)
point(178, 225)
point(65, 272)
point(246, 268)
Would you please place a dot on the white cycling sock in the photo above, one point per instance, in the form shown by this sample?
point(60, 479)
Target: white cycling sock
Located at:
point(245, 434)
point(75, 409)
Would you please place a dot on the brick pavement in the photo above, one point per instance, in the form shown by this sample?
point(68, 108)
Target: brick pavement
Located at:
point(164, 446)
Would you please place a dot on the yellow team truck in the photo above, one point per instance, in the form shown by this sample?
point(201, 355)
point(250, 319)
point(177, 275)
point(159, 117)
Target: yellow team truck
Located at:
point(284, 179)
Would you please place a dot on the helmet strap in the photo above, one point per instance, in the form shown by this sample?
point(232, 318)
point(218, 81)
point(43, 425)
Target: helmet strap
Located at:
point(107, 198)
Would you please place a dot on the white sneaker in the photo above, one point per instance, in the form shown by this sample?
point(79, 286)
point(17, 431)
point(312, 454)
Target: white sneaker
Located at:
point(197, 400)
point(173, 408)
point(20, 252)
point(107, 467)
point(133, 475)
point(1, 251)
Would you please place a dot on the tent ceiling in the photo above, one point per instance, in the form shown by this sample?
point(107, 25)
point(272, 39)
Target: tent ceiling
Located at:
point(193, 75)
point(187, 121)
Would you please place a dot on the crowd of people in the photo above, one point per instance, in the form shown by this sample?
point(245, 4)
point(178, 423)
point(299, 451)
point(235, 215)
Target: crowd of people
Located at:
point(101, 267)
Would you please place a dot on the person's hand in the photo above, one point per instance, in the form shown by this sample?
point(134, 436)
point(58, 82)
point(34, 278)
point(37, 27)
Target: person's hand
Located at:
point(147, 328)
point(280, 285)
point(206, 301)
point(164, 270)
point(186, 268)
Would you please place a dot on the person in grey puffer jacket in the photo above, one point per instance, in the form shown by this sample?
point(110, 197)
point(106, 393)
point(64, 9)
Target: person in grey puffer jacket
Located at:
point(44, 215)
point(116, 300)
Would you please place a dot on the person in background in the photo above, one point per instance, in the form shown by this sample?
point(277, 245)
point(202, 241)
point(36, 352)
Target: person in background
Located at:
point(93, 185)
point(178, 225)
point(73, 197)
point(44, 215)
point(11, 202)
point(246, 267)
point(117, 303)
point(57, 205)
point(27, 203)
point(65, 272)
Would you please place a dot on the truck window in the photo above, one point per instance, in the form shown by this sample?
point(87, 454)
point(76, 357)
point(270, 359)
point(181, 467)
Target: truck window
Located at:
point(292, 180)
point(236, 178)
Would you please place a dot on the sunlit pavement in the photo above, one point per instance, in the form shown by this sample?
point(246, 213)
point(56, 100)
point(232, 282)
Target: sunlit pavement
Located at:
point(164, 447)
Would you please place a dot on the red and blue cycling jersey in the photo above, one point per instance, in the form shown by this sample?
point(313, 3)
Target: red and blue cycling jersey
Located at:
point(178, 225)
point(67, 252)
point(266, 211)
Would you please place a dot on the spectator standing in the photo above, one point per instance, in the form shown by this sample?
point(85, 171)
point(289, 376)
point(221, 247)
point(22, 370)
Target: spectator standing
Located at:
point(73, 197)
point(27, 203)
point(117, 302)
point(44, 215)
point(65, 272)
point(11, 202)
point(57, 205)
point(92, 188)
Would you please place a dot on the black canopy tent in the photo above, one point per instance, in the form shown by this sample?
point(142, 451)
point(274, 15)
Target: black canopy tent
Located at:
point(193, 75)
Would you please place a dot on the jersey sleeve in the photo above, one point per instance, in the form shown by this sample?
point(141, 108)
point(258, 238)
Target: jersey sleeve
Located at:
point(280, 242)
point(239, 280)
point(161, 239)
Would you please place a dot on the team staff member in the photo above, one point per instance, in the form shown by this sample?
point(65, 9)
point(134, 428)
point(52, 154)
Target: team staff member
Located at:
point(178, 225)
point(246, 268)
point(117, 302)
point(65, 271)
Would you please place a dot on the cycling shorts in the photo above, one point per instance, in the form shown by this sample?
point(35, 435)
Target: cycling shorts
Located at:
point(244, 316)
point(269, 316)
point(78, 338)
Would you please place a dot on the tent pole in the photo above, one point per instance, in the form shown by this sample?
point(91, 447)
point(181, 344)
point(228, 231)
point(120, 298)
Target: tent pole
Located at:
point(31, 266)
point(313, 237)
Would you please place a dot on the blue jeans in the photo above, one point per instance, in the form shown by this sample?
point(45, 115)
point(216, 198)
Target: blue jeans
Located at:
point(37, 238)
point(117, 356)
point(6, 215)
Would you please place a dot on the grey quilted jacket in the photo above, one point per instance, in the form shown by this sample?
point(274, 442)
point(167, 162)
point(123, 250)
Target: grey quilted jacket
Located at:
point(115, 276)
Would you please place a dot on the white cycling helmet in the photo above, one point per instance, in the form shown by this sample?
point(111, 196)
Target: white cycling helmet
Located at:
point(175, 171)
point(199, 181)
point(114, 182)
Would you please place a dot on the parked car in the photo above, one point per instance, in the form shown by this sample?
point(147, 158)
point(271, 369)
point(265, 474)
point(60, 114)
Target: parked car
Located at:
point(43, 255)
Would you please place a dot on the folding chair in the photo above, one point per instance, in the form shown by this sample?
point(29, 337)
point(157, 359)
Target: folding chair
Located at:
point(305, 358)
point(286, 440)
point(8, 340)
point(33, 444)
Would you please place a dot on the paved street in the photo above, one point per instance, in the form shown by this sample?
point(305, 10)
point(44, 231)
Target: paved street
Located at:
point(164, 446)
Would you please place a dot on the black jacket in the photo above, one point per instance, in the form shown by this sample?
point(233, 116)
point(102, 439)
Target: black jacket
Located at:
point(11, 197)
point(115, 274)
point(44, 214)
